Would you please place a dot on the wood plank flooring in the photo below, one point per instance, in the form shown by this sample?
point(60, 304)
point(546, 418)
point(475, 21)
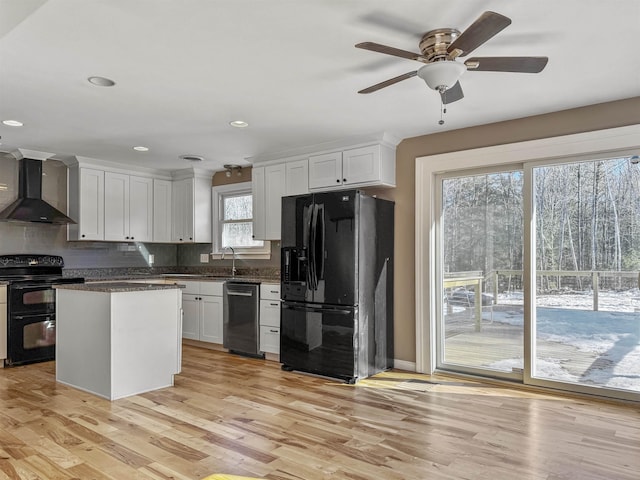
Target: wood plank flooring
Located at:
point(235, 415)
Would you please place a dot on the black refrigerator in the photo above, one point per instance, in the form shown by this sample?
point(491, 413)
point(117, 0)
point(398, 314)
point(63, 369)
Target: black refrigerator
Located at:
point(337, 284)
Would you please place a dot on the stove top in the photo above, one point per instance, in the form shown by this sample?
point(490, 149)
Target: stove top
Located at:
point(33, 268)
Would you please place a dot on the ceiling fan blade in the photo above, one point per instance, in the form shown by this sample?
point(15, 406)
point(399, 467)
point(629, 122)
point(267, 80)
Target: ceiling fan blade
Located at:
point(452, 94)
point(386, 83)
point(507, 64)
point(396, 52)
point(485, 27)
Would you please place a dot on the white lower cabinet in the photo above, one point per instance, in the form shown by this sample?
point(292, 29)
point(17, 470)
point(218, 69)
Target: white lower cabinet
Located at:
point(202, 308)
point(270, 318)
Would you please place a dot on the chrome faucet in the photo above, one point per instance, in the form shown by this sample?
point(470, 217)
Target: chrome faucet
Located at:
point(233, 260)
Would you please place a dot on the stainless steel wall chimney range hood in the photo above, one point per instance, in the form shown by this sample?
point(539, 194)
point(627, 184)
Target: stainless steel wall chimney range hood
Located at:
point(29, 207)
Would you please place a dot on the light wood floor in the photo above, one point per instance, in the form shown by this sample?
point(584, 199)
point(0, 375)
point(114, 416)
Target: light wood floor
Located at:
point(241, 416)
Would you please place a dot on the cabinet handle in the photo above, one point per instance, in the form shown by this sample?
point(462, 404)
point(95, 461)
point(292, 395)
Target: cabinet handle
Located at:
point(180, 239)
point(274, 304)
point(190, 238)
point(132, 238)
point(276, 291)
point(344, 179)
point(82, 235)
point(273, 331)
point(338, 180)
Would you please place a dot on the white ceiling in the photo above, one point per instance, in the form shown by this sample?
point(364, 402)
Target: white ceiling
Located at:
point(186, 68)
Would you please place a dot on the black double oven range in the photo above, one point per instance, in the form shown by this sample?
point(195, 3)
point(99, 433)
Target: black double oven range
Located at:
point(31, 305)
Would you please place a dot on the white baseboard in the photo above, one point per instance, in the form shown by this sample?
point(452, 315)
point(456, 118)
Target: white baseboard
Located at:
point(404, 365)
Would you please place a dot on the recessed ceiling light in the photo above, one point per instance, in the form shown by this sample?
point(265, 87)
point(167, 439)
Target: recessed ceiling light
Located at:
point(101, 81)
point(141, 149)
point(12, 123)
point(239, 124)
point(191, 158)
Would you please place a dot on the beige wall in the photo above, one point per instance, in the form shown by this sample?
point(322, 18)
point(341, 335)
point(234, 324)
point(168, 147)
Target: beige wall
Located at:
point(594, 117)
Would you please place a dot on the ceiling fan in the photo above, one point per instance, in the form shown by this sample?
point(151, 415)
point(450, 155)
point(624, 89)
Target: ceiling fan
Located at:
point(440, 48)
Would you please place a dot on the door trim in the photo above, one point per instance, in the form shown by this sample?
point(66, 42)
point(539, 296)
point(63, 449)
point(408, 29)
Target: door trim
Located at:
point(619, 141)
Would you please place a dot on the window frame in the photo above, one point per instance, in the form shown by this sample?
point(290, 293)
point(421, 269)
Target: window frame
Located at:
point(217, 196)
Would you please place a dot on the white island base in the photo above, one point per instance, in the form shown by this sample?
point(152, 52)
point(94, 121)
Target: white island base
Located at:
point(118, 341)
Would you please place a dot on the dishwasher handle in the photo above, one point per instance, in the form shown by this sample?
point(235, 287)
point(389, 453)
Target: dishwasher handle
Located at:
point(239, 294)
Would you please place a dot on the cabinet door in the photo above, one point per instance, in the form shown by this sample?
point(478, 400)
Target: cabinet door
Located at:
point(140, 209)
point(116, 206)
point(270, 339)
point(274, 184)
point(325, 170)
point(91, 199)
point(270, 313)
point(297, 177)
point(182, 212)
point(360, 165)
point(162, 210)
point(190, 316)
point(259, 211)
point(211, 321)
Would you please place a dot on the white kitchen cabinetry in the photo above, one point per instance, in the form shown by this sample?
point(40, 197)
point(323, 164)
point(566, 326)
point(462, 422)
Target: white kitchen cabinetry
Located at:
point(191, 212)
point(86, 203)
point(372, 165)
point(202, 307)
point(128, 207)
point(325, 170)
point(297, 177)
point(268, 187)
point(258, 207)
point(270, 318)
point(3, 324)
point(269, 184)
point(161, 210)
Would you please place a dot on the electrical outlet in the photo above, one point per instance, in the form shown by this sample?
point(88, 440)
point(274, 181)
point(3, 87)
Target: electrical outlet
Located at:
point(152, 259)
point(204, 258)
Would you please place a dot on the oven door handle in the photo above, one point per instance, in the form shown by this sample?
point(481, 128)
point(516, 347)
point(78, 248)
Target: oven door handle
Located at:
point(24, 287)
point(22, 317)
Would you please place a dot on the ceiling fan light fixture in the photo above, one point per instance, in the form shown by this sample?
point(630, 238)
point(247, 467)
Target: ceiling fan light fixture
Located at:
point(441, 75)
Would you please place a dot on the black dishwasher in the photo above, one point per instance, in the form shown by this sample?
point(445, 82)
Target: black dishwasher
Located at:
point(240, 328)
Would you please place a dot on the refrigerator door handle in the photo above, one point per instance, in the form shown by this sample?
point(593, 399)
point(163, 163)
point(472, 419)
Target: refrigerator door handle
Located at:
point(309, 228)
point(313, 249)
point(306, 308)
point(320, 232)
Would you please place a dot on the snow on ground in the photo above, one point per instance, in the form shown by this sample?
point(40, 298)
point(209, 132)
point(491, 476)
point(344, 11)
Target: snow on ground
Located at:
point(611, 335)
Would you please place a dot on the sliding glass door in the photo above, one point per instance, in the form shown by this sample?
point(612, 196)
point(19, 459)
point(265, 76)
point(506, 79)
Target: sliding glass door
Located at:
point(563, 312)
point(586, 328)
point(481, 327)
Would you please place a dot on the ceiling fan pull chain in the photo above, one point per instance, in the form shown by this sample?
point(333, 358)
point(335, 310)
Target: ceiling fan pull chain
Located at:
point(443, 109)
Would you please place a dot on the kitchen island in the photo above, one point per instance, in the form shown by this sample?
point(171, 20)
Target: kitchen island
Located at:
point(118, 339)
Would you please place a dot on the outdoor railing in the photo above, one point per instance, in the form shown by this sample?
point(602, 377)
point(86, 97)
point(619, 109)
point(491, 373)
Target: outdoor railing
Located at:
point(554, 282)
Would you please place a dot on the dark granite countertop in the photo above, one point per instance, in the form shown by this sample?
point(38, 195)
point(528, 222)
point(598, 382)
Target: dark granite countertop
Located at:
point(110, 287)
point(191, 277)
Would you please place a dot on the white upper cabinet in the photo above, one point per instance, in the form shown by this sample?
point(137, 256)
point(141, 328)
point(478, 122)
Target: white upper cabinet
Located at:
point(86, 203)
point(372, 165)
point(116, 206)
point(161, 210)
point(128, 207)
point(269, 185)
point(274, 183)
point(297, 177)
point(258, 206)
point(191, 212)
point(140, 209)
point(325, 170)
